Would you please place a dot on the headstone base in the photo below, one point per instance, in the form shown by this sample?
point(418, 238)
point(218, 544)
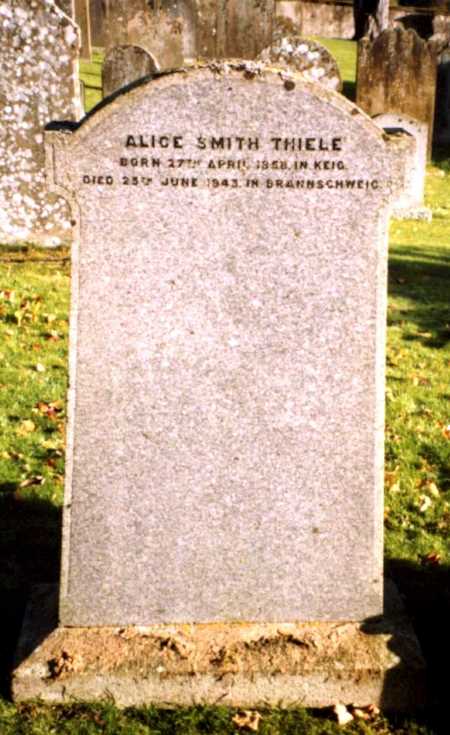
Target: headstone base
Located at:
point(239, 665)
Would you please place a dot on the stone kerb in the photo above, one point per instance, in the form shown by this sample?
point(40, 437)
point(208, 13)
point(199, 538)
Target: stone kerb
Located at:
point(396, 74)
point(124, 65)
point(310, 58)
point(39, 83)
point(234, 223)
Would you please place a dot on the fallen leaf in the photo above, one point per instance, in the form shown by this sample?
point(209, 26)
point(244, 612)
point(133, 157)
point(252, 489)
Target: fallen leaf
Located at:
point(7, 295)
point(432, 559)
point(342, 715)
point(433, 489)
point(425, 502)
point(247, 720)
point(37, 480)
point(26, 427)
point(395, 488)
point(370, 712)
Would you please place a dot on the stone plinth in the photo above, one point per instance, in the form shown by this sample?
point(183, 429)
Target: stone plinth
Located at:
point(240, 665)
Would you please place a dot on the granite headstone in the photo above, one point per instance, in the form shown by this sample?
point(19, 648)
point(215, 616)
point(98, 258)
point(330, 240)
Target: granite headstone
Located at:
point(39, 83)
point(225, 442)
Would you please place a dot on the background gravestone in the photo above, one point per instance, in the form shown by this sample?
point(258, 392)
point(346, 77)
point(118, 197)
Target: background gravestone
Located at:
point(244, 27)
point(310, 58)
point(39, 83)
point(160, 32)
point(244, 333)
point(67, 6)
point(397, 74)
point(83, 20)
point(124, 65)
point(411, 198)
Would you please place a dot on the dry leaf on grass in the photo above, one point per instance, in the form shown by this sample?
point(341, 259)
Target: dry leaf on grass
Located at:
point(37, 480)
point(247, 720)
point(342, 715)
point(424, 503)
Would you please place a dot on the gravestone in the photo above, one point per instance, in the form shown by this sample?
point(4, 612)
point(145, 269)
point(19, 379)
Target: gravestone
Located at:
point(441, 45)
point(67, 6)
point(160, 32)
point(396, 74)
point(225, 447)
point(409, 203)
point(310, 58)
point(244, 27)
point(124, 65)
point(98, 13)
point(39, 83)
point(83, 20)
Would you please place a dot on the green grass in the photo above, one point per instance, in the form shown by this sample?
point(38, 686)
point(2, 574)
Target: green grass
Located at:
point(91, 75)
point(34, 294)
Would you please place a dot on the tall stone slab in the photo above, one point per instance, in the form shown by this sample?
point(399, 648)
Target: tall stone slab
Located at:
point(158, 30)
point(39, 83)
point(397, 75)
point(244, 27)
point(228, 316)
point(83, 19)
point(223, 507)
point(124, 65)
point(98, 12)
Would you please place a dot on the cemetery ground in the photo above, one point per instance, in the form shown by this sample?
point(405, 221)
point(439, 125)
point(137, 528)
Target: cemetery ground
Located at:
point(34, 301)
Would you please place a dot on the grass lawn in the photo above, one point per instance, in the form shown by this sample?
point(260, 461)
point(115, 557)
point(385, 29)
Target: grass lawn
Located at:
point(34, 297)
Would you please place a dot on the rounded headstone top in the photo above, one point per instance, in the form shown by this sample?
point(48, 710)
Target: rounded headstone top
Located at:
point(310, 58)
point(124, 65)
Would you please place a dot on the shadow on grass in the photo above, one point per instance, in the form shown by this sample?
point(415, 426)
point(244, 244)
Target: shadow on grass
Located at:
point(426, 594)
point(422, 276)
point(30, 540)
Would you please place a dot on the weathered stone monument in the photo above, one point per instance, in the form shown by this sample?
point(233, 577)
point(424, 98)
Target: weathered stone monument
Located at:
point(411, 165)
point(39, 83)
point(67, 6)
point(441, 44)
point(396, 74)
point(310, 58)
point(124, 65)
point(223, 508)
point(158, 31)
point(83, 20)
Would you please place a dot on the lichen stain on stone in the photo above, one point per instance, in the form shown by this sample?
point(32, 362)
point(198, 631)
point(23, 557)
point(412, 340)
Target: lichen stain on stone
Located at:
point(39, 83)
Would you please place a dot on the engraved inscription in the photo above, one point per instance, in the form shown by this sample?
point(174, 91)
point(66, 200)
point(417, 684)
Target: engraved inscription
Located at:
point(218, 161)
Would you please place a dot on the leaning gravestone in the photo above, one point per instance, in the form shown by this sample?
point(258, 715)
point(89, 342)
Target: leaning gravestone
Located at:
point(124, 65)
point(225, 447)
point(391, 71)
point(310, 58)
point(39, 83)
